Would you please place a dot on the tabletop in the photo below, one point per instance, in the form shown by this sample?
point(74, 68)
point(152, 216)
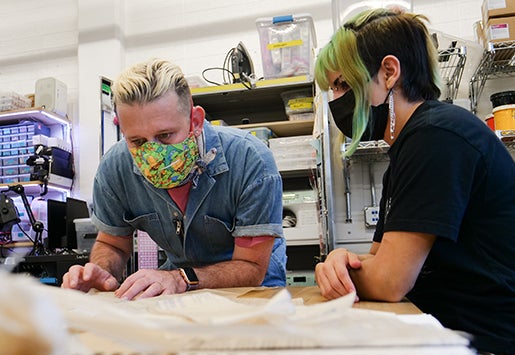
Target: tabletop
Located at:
point(311, 295)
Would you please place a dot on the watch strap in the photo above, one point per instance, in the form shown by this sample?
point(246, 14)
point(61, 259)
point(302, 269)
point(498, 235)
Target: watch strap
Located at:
point(190, 277)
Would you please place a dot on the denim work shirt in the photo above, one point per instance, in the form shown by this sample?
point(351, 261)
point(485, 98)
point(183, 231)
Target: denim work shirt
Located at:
point(239, 194)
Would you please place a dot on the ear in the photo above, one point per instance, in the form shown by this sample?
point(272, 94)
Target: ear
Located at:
point(197, 117)
point(392, 70)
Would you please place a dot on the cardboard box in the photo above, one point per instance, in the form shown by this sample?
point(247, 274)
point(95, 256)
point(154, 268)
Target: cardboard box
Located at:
point(500, 29)
point(479, 33)
point(497, 8)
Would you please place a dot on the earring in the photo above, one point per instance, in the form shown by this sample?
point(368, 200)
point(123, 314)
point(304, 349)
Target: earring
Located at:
point(391, 110)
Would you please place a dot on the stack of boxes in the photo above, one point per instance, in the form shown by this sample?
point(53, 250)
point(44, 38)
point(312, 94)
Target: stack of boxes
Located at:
point(498, 22)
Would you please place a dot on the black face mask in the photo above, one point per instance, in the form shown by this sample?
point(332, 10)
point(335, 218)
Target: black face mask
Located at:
point(342, 110)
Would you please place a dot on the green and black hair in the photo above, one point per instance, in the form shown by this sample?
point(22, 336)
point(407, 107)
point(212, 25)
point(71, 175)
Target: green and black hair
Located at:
point(357, 49)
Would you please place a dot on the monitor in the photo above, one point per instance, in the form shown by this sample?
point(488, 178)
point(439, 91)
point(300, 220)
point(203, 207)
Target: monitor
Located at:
point(60, 225)
point(56, 224)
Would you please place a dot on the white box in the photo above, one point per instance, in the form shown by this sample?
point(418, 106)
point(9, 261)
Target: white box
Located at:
point(303, 205)
point(40, 139)
point(52, 95)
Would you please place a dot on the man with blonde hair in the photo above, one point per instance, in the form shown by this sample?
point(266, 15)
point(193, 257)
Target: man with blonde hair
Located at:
point(209, 196)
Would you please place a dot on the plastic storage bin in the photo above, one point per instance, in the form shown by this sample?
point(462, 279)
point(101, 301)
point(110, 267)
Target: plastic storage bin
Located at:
point(263, 133)
point(287, 45)
point(298, 102)
point(293, 153)
point(16, 146)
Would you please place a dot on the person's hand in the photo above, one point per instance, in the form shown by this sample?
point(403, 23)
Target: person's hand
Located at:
point(150, 283)
point(84, 278)
point(332, 276)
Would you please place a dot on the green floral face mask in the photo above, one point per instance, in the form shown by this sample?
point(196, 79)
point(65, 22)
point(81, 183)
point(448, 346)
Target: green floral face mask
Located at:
point(167, 165)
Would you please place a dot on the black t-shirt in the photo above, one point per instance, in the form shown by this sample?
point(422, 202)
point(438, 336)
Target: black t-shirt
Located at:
point(449, 175)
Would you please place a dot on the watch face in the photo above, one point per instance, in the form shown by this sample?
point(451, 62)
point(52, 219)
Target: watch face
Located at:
point(190, 274)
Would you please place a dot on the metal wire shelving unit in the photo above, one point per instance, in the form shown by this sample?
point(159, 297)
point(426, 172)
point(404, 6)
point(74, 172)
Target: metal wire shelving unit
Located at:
point(498, 61)
point(451, 63)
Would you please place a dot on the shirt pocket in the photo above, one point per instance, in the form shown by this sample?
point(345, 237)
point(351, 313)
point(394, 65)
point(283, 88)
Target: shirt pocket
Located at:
point(219, 236)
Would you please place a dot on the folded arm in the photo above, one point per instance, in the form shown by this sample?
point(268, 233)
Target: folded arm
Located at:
point(387, 273)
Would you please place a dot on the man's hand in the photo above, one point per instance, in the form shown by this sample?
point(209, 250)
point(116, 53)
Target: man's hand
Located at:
point(332, 276)
point(84, 278)
point(150, 283)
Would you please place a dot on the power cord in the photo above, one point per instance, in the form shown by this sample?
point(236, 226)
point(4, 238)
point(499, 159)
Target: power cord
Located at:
point(228, 75)
point(217, 68)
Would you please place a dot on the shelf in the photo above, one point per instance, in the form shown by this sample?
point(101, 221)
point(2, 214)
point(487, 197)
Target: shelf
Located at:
point(58, 126)
point(266, 84)
point(234, 102)
point(507, 137)
point(451, 63)
point(35, 114)
point(35, 188)
point(284, 128)
point(498, 61)
point(369, 151)
point(298, 173)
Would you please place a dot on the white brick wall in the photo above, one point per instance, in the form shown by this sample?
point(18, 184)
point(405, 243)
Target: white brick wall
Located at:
point(42, 38)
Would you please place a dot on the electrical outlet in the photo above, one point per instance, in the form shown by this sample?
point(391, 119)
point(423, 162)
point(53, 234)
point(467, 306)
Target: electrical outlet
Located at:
point(371, 216)
point(300, 278)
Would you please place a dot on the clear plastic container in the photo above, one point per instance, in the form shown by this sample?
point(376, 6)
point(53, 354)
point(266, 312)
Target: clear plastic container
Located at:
point(263, 133)
point(287, 45)
point(297, 101)
point(293, 153)
point(10, 100)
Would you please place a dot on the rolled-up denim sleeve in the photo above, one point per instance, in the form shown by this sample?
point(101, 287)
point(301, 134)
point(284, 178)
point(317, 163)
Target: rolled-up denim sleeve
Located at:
point(108, 209)
point(260, 208)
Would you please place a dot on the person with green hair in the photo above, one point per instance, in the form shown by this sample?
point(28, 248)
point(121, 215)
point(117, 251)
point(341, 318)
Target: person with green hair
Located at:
point(445, 238)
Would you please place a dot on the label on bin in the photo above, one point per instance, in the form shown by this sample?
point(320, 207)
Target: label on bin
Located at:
point(279, 45)
point(300, 103)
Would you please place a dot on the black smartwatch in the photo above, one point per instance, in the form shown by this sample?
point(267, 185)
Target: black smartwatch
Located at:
point(189, 276)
